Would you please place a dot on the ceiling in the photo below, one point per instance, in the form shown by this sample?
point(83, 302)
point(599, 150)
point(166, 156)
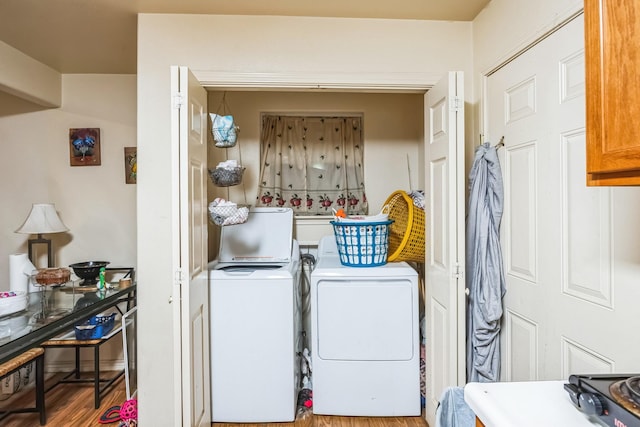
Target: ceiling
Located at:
point(99, 36)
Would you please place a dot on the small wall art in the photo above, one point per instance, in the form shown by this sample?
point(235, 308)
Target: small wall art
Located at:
point(131, 165)
point(84, 147)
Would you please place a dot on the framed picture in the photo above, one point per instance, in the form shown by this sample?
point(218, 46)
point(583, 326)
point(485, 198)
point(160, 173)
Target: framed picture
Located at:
point(131, 165)
point(84, 147)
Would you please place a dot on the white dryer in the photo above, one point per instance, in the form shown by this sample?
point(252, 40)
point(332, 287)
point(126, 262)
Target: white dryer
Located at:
point(255, 320)
point(365, 333)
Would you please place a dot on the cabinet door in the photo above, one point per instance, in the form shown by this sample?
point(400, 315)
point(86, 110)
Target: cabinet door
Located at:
point(612, 32)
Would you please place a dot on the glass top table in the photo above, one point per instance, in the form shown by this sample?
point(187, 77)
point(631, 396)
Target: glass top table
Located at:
point(62, 308)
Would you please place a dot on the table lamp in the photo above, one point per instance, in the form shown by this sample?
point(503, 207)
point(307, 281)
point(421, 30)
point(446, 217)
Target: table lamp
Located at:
point(43, 218)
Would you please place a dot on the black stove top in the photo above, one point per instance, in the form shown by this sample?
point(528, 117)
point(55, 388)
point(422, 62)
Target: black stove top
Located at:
point(613, 399)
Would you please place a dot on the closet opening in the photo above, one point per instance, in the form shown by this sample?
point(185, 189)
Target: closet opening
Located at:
point(393, 159)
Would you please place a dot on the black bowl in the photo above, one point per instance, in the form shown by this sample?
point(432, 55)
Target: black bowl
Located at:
point(86, 300)
point(88, 271)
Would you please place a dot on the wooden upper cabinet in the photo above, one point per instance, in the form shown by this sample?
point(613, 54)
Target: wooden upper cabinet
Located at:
point(612, 56)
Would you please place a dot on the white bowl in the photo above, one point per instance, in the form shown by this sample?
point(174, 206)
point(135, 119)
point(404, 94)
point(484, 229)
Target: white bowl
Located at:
point(10, 305)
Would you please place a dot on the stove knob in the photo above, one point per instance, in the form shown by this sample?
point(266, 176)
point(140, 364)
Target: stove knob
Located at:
point(591, 404)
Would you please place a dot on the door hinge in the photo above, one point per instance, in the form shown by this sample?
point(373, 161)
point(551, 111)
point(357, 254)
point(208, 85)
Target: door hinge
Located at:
point(178, 101)
point(455, 103)
point(458, 273)
point(178, 277)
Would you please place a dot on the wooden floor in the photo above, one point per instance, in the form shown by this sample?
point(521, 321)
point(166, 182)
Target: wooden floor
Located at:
point(66, 404)
point(332, 421)
point(72, 405)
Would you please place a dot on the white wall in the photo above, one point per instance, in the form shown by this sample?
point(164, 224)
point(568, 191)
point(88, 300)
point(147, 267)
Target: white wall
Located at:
point(23, 76)
point(374, 50)
point(94, 202)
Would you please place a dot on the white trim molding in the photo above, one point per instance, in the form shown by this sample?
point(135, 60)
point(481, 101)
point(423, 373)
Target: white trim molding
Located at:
point(373, 82)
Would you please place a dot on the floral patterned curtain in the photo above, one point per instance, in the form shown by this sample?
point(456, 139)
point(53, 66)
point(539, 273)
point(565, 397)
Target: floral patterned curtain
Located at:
point(312, 164)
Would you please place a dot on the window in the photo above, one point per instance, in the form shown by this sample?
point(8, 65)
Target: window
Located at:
point(312, 164)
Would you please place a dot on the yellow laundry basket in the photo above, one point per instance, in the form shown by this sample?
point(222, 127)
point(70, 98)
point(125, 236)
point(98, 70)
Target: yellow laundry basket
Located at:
point(406, 233)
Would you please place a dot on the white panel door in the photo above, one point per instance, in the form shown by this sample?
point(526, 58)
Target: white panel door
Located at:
point(444, 281)
point(571, 264)
point(190, 151)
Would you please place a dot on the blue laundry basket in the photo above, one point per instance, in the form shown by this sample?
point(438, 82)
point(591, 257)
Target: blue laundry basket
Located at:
point(362, 244)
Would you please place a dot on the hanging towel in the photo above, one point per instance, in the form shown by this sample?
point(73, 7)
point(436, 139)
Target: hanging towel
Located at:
point(484, 270)
point(453, 411)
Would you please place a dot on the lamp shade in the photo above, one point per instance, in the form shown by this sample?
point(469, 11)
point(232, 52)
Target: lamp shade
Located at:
point(43, 218)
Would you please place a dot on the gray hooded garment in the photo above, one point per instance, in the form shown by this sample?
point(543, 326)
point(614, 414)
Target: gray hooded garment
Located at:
point(484, 270)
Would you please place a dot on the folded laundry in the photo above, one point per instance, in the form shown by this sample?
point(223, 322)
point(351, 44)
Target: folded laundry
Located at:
point(418, 198)
point(228, 164)
point(223, 130)
point(381, 217)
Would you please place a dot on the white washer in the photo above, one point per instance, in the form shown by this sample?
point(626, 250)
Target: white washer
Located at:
point(255, 320)
point(365, 352)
